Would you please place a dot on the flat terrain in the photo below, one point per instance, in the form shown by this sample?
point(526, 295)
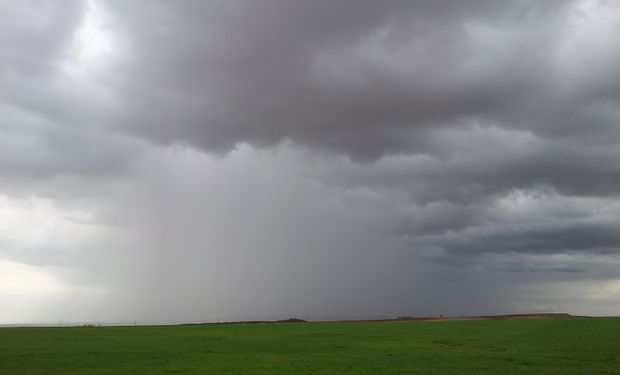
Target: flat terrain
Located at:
point(532, 346)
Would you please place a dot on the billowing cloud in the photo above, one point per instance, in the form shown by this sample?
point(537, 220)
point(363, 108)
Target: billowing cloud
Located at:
point(167, 161)
point(363, 79)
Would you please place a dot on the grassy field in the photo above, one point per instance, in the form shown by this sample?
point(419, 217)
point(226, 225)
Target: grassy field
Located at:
point(554, 346)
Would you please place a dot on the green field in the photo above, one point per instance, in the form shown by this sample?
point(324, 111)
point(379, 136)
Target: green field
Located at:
point(552, 346)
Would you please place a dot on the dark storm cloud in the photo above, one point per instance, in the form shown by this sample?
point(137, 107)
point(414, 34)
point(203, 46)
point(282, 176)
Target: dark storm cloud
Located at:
point(555, 239)
point(373, 79)
point(476, 163)
point(363, 79)
point(353, 77)
point(313, 156)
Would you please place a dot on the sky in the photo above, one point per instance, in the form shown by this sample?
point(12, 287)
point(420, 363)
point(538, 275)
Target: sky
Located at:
point(195, 161)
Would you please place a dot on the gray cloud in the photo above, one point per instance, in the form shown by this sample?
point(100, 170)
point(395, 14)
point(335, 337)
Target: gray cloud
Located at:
point(35, 34)
point(323, 158)
point(363, 79)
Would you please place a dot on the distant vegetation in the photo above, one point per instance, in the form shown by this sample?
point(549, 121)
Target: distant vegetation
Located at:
point(508, 346)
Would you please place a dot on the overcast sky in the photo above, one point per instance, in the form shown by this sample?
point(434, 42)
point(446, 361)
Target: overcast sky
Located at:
point(188, 161)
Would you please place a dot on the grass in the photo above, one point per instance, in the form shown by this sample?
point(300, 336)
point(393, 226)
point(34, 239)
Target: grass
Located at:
point(550, 346)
